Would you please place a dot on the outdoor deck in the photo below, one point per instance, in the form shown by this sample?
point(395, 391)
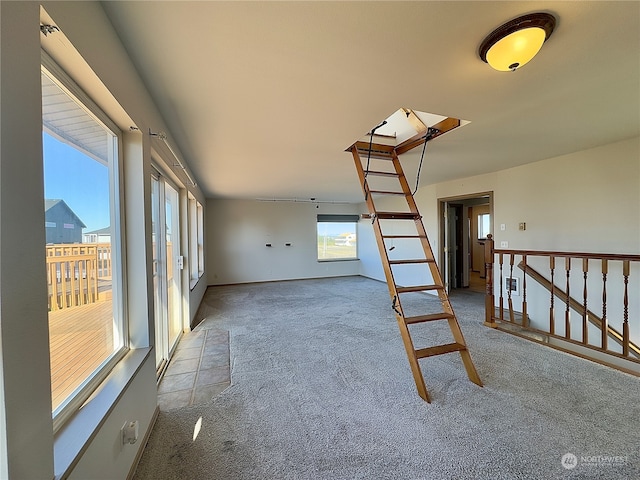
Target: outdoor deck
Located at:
point(81, 338)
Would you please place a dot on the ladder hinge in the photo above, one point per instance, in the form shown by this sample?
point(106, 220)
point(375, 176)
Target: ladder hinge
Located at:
point(394, 305)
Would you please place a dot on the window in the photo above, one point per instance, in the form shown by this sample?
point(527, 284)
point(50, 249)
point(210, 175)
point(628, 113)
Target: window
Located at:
point(81, 189)
point(337, 237)
point(200, 239)
point(484, 225)
point(196, 239)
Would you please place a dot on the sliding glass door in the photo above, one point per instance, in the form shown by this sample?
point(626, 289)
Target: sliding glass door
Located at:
point(167, 263)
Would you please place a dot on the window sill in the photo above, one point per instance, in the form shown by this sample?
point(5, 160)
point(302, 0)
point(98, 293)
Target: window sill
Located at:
point(325, 260)
point(193, 282)
point(72, 440)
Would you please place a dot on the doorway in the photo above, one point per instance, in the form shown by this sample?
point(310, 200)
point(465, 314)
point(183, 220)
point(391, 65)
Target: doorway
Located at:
point(167, 264)
point(465, 221)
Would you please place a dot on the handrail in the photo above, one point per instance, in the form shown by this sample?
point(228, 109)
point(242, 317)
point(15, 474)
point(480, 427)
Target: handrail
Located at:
point(549, 253)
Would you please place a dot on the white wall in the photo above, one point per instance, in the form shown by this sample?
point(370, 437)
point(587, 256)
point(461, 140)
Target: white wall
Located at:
point(24, 342)
point(238, 230)
point(106, 457)
point(27, 445)
point(584, 201)
point(371, 265)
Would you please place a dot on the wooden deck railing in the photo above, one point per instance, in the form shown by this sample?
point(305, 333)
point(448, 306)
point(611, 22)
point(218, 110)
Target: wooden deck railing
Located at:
point(552, 297)
point(77, 274)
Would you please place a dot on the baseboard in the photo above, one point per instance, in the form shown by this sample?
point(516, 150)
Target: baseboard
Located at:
point(257, 282)
point(147, 435)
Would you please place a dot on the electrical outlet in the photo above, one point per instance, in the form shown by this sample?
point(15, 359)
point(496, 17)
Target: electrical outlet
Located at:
point(504, 244)
point(130, 432)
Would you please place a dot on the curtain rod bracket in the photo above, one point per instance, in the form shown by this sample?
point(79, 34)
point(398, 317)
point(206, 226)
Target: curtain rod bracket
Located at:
point(163, 136)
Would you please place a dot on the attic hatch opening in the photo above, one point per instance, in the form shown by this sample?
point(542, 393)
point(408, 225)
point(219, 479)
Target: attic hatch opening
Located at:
point(403, 131)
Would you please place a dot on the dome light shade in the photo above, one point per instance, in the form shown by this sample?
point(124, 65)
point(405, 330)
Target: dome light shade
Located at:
point(515, 43)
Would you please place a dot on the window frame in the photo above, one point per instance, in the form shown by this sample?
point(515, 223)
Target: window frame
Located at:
point(196, 240)
point(193, 241)
point(116, 197)
point(200, 223)
point(481, 229)
point(338, 218)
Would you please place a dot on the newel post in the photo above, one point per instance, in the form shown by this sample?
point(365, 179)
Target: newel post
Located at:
point(489, 300)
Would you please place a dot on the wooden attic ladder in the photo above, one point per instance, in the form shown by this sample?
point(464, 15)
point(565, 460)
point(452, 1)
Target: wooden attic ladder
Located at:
point(379, 218)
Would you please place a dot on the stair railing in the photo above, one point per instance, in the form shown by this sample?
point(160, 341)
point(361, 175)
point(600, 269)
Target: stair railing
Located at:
point(552, 297)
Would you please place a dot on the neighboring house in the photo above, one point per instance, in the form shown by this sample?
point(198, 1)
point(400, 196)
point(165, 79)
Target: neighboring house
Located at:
point(62, 224)
point(102, 235)
point(346, 239)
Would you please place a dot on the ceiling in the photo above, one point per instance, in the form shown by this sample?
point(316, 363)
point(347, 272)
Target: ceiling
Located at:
point(263, 98)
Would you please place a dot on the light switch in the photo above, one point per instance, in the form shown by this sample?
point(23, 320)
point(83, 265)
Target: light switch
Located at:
point(503, 226)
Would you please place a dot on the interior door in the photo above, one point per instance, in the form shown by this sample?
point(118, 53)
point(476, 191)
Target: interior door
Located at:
point(453, 245)
point(446, 264)
point(167, 264)
point(461, 235)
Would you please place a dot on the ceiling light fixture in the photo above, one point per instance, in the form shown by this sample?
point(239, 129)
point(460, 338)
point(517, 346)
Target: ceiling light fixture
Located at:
point(515, 43)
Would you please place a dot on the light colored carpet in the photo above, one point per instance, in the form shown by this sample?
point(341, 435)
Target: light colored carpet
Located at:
point(321, 389)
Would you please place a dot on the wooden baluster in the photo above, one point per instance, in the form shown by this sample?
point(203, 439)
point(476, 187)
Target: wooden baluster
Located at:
point(567, 313)
point(604, 327)
point(585, 324)
point(625, 321)
point(81, 282)
point(552, 326)
point(501, 288)
point(525, 318)
point(86, 291)
point(63, 286)
point(489, 297)
point(53, 271)
point(94, 277)
point(107, 253)
point(74, 301)
point(511, 315)
point(88, 282)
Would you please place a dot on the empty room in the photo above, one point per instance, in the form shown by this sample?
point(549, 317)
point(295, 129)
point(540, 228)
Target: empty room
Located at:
point(319, 239)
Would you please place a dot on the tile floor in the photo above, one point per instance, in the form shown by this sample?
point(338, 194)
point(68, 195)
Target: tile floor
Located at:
point(198, 371)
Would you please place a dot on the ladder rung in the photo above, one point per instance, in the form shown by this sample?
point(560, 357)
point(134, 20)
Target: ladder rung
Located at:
point(418, 288)
point(380, 155)
point(439, 350)
point(398, 216)
point(403, 236)
point(428, 318)
point(413, 260)
point(374, 148)
point(381, 174)
point(384, 192)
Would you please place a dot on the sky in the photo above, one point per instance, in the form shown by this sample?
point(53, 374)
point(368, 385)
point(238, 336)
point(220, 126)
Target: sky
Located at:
point(335, 228)
point(82, 182)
